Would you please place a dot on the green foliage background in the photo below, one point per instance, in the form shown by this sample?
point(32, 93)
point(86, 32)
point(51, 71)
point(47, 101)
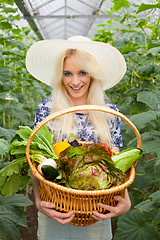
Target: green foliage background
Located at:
point(19, 97)
point(137, 36)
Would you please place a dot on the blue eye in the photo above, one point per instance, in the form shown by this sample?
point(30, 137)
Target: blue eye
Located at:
point(66, 74)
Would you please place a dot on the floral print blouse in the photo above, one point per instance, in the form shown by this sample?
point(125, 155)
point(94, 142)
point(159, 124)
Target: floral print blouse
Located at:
point(86, 132)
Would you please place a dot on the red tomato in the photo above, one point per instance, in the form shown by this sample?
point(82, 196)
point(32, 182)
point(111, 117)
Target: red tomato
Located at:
point(106, 146)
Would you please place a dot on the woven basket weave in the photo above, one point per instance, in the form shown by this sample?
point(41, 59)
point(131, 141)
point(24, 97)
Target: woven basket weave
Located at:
point(83, 203)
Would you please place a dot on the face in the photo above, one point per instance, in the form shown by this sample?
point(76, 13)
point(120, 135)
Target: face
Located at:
point(76, 81)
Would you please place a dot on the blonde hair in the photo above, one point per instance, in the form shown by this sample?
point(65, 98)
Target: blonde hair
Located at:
point(60, 99)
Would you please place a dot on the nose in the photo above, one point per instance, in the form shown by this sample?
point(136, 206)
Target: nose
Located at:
point(75, 80)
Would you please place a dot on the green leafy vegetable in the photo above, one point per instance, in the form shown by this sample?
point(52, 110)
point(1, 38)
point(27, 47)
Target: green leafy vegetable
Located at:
point(89, 167)
point(16, 174)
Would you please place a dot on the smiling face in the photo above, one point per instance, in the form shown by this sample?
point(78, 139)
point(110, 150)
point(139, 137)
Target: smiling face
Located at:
point(76, 81)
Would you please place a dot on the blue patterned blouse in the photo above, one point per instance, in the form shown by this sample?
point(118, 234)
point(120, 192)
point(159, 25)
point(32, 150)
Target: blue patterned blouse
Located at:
point(86, 132)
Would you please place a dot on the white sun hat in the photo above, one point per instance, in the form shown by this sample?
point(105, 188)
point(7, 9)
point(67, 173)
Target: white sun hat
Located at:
point(42, 55)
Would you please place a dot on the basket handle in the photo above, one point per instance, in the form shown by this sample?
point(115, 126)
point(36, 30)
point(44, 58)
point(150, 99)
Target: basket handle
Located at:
point(81, 108)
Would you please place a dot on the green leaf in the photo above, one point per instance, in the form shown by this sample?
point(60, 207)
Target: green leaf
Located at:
point(157, 70)
point(156, 220)
point(45, 137)
point(10, 2)
point(118, 4)
point(18, 148)
point(13, 168)
point(9, 229)
point(130, 54)
point(18, 200)
point(132, 91)
point(140, 120)
point(43, 140)
point(19, 113)
point(133, 225)
point(12, 216)
point(6, 25)
point(151, 204)
point(2, 182)
point(8, 96)
point(128, 49)
point(145, 175)
point(151, 147)
point(7, 133)
point(153, 50)
point(145, 206)
point(148, 98)
point(14, 175)
point(146, 70)
point(4, 147)
point(11, 52)
point(8, 85)
point(16, 31)
point(144, 7)
point(151, 135)
point(155, 197)
point(4, 74)
point(12, 185)
point(24, 132)
point(9, 9)
point(16, 43)
point(44, 131)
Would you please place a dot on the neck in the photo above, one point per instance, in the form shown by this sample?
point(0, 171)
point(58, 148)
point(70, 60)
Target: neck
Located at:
point(81, 101)
point(78, 103)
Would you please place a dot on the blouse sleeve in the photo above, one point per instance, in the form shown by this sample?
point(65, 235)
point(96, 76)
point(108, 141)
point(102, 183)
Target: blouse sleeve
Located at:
point(42, 111)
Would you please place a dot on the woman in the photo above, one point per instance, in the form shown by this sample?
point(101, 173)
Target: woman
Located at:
point(79, 70)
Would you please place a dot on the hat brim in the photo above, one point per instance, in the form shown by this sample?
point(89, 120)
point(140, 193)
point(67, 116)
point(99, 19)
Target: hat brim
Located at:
point(42, 55)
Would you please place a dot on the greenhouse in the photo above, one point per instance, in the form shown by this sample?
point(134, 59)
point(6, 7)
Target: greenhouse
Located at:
point(132, 28)
point(63, 19)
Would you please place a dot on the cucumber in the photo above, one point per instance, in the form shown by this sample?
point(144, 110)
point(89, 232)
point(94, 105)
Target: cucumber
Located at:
point(126, 158)
point(49, 172)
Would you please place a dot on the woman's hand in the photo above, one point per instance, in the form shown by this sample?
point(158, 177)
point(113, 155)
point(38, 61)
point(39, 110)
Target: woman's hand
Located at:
point(47, 208)
point(123, 206)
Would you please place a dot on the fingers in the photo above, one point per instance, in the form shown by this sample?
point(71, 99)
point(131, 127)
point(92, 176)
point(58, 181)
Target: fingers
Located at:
point(101, 216)
point(44, 204)
point(122, 207)
point(118, 198)
point(47, 208)
point(67, 218)
point(63, 215)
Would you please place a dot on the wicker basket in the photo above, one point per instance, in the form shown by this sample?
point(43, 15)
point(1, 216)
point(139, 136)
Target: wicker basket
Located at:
point(83, 203)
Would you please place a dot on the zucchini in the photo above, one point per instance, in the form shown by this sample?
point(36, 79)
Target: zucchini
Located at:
point(49, 172)
point(48, 169)
point(126, 158)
